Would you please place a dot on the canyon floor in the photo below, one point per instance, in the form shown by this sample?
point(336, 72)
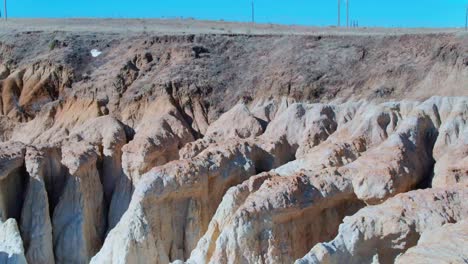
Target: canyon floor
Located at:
point(183, 141)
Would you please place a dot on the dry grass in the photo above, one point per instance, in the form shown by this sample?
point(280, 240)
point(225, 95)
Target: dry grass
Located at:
point(191, 26)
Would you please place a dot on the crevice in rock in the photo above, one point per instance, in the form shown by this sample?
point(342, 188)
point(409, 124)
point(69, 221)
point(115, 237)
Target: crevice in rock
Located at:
point(429, 141)
point(12, 190)
point(107, 196)
point(169, 89)
point(263, 123)
point(426, 182)
point(129, 132)
point(205, 186)
point(79, 218)
point(54, 174)
point(315, 225)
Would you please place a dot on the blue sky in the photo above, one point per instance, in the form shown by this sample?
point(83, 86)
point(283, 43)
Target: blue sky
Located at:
point(387, 13)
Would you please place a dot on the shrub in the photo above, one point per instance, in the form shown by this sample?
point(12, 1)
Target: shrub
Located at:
point(53, 44)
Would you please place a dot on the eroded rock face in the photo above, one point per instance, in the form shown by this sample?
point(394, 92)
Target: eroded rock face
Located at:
point(208, 149)
point(27, 89)
point(446, 244)
point(451, 148)
point(186, 193)
point(79, 221)
point(452, 169)
point(108, 134)
point(397, 165)
point(276, 216)
point(161, 133)
point(47, 177)
point(373, 153)
point(249, 197)
point(11, 246)
point(268, 218)
point(12, 179)
point(159, 136)
point(56, 120)
point(237, 122)
point(380, 233)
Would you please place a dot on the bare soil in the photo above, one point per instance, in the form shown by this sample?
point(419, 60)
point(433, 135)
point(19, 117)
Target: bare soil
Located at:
point(216, 64)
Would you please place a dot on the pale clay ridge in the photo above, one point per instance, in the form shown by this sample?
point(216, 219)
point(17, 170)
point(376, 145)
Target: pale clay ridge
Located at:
point(446, 244)
point(411, 145)
point(241, 194)
point(262, 211)
point(379, 234)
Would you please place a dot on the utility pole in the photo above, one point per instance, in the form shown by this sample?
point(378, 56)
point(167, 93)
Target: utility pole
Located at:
point(5, 11)
point(339, 13)
point(347, 13)
point(253, 12)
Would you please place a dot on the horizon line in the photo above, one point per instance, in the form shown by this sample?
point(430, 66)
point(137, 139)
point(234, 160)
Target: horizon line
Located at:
point(228, 21)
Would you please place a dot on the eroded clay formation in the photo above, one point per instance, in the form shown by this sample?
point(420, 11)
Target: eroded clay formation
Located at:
point(161, 176)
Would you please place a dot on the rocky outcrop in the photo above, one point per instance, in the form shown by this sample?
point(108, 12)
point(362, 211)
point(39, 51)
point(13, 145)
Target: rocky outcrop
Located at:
point(397, 165)
point(275, 219)
point(79, 221)
point(65, 197)
point(213, 149)
point(451, 148)
point(237, 122)
point(108, 134)
point(223, 198)
point(161, 133)
point(452, 167)
point(11, 246)
point(377, 153)
point(12, 179)
point(56, 120)
point(4, 71)
point(27, 89)
point(272, 218)
point(303, 125)
point(381, 233)
point(47, 177)
point(446, 244)
point(173, 204)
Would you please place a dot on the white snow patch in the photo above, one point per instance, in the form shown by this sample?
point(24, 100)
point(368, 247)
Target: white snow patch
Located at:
point(95, 53)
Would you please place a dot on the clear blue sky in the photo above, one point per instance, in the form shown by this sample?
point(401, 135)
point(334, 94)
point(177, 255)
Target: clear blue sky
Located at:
point(387, 13)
